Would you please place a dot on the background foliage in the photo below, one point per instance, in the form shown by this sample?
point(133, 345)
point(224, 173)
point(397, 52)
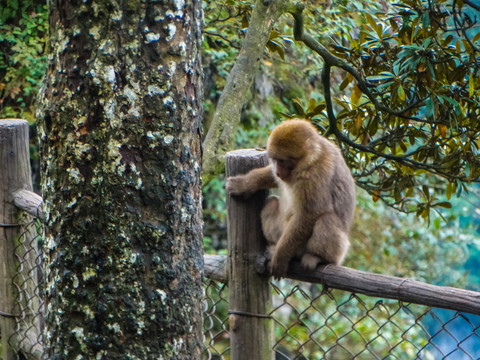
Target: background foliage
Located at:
point(376, 38)
point(418, 54)
point(23, 31)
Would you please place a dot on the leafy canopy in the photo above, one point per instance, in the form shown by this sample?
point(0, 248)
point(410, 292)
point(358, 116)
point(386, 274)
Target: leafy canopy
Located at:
point(406, 107)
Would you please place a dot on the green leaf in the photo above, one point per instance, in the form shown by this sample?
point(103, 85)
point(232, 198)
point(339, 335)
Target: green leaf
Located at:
point(476, 37)
point(449, 39)
point(471, 85)
point(356, 95)
point(371, 21)
point(429, 109)
point(274, 34)
point(298, 107)
point(344, 83)
point(319, 108)
point(311, 105)
point(380, 77)
point(458, 46)
point(401, 93)
point(456, 105)
point(449, 190)
point(444, 204)
point(425, 191)
point(287, 116)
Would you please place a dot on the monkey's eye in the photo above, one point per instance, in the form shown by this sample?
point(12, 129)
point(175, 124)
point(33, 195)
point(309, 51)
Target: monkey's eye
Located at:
point(286, 163)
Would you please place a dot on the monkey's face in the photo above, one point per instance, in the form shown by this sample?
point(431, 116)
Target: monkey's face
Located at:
point(283, 168)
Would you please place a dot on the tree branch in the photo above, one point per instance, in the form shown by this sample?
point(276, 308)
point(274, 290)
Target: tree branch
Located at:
point(226, 119)
point(471, 4)
point(296, 10)
point(221, 37)
point(331, 60)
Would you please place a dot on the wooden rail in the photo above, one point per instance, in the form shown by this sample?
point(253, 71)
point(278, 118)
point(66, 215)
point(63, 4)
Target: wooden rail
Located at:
point(361, 282)
point(29, 202)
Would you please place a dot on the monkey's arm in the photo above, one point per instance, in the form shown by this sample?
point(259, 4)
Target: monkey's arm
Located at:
point(247, 184)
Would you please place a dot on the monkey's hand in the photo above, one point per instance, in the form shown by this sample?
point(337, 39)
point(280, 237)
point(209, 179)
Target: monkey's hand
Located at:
point(278, 268)
point(239, 186)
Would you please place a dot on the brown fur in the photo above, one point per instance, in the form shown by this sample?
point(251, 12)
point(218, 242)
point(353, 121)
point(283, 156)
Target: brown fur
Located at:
point(311, 217)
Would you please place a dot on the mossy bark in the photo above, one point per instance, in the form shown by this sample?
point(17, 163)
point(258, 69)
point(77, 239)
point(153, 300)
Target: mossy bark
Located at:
point(119, 124)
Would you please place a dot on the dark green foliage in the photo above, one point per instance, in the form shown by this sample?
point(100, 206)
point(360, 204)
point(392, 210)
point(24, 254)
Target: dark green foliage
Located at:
point(407, 107)
point(23, 29)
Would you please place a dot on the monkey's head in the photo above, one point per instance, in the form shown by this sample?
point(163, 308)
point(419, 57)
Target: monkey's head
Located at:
point(288, 144)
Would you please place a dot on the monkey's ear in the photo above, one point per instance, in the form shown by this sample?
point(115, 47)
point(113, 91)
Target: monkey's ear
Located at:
point(313, 146)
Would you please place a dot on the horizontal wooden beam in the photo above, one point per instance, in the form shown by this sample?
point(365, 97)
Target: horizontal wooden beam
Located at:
point(375, 285)
point(29, 202)
point(215, 267)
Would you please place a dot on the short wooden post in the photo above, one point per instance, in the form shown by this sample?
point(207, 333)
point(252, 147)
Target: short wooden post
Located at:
point(15, 174)
point(250, 297)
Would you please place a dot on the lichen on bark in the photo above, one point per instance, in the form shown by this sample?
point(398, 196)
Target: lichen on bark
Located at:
point(119, 123)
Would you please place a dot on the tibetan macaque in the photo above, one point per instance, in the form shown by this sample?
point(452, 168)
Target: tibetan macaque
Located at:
point(311, 217)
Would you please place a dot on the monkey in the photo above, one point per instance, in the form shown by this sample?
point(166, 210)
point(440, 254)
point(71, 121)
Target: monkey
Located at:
point(311, 217)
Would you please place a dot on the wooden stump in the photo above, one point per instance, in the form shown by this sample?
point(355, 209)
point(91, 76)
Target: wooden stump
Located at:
point(251, 330)
point(15, 176)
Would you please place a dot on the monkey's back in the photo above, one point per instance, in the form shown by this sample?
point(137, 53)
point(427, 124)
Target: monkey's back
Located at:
point(341, 185)
point(343, 193)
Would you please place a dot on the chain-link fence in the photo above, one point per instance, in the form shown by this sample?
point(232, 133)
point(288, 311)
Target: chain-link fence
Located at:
point(215, 321)
point(310, 321)
point(25, 336)
point(29, 283)
point(314, 322)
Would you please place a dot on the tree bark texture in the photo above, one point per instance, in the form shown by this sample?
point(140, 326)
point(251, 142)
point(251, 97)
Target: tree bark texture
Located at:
point(119, 124)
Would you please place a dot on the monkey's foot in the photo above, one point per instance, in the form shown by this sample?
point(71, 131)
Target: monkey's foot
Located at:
point(310, 261)
point(278, 268)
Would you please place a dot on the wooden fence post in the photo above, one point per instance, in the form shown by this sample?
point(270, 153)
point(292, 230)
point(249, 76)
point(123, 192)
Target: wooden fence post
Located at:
point(250, 297)
point(15, 174)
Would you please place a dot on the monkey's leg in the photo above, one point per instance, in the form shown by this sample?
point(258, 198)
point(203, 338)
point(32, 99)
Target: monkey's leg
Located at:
point(328, 244)
point(271, 223)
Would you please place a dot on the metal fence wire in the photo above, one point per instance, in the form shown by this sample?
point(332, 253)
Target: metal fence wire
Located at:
point(310, 321)
point(314, 322)
point(28, 281)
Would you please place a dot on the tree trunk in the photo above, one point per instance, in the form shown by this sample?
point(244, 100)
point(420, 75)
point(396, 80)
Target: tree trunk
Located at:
point(119, 125)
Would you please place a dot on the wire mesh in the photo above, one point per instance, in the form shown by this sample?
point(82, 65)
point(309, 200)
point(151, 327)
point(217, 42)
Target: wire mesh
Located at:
point(215, 321)
point(310, 320)
point(314, 322)
point(28, 281)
